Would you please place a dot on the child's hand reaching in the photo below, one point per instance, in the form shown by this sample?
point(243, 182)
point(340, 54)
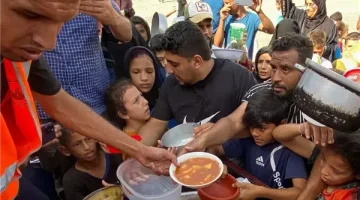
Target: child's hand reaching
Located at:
point(225, 172)
point(248, 191)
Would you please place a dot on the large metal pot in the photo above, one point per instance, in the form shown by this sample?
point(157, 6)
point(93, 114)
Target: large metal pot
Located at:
point(328, 97)
point(158, 24)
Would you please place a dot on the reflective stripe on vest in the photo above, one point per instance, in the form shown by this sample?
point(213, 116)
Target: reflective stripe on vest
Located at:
point(7, 176)
point(29, 101)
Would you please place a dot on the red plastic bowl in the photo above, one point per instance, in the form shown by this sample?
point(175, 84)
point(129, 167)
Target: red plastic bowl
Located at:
point(220, 190)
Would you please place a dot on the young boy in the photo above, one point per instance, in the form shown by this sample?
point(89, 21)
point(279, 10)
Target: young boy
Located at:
point(351, 40)
point(340, 164)
point(91, 168)
point(156, 46)
point(318, 38)
point(265, 158)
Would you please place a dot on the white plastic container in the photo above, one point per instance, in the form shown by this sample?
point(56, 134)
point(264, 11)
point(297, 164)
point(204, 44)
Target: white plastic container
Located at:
point(140, 183)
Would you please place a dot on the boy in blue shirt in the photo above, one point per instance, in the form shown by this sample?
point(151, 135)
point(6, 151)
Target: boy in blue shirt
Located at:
point(265, 158)
point(233, 13)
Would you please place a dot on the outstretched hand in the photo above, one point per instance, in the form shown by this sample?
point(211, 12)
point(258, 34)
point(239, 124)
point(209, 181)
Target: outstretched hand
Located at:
point(256, 6)
point(157, 159)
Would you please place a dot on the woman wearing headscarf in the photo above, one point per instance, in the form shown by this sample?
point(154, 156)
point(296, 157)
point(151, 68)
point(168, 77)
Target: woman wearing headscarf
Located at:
point(140, 65)
point(314, 17)
point(263, 69)
point(284, 27)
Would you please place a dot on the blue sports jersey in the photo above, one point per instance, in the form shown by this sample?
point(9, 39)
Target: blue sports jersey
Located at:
point(273, 164)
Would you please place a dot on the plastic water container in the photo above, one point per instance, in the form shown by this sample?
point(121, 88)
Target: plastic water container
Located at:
point(140, 183)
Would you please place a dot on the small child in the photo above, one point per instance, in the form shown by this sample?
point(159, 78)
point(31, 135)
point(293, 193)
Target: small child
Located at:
point(126, 107)
point(266, 159)
point(318, 38)
point(351, 40)
point(340, 165)
point(92, 165)
point(156, 46)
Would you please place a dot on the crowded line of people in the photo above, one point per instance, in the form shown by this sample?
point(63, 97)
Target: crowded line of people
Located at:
point(101, 96)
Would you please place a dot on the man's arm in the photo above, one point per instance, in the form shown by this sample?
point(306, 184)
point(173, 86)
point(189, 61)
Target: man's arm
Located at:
point(152, 131)
point(358, 24)
point(220, 32)
point(284, 194)
point(105, 12)
point(78, 117)
point(228, 127)
point(266, 25)
point(289, 135)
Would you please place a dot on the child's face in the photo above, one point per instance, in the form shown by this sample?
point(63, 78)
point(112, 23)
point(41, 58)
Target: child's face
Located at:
point(142, 73)
point(142, 31)
point(136, 105)
point(161, 56)
point(81, 147)
point(263, 135)
point(351, 43)
point(264, 67)
point(335, 171)
point(319, 50)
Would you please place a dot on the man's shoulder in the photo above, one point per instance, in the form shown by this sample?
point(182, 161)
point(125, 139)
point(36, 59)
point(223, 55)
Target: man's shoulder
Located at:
point(267, 85)
point(230, 66)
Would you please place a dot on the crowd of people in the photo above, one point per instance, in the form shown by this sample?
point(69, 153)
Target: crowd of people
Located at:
point(114, 98)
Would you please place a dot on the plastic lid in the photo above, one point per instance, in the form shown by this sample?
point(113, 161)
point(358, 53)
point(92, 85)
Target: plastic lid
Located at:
point(237, 25)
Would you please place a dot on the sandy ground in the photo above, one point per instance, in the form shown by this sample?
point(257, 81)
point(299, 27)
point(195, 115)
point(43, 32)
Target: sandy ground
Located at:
point(349, 8)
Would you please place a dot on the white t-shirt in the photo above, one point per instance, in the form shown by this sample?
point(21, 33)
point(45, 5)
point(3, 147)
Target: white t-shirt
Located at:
point(326, 63)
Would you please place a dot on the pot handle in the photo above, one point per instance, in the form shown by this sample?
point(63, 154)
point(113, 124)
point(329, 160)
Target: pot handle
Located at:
point(300, 67)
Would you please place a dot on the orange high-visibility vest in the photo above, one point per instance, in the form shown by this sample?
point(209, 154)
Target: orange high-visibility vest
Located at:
point(20, 127)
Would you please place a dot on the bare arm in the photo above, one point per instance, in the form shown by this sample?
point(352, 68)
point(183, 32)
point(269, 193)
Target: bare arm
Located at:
point(289, 135)
point(219, 35)
point(266, 24)
point(284, 194)
point(358, 24)
point(228, 127)
point(78, 117)
point(152, 131)
point(314, 185)
point(121, 27)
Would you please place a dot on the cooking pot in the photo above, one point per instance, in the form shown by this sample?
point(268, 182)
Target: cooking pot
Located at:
point(328, 97)
point(158, 24)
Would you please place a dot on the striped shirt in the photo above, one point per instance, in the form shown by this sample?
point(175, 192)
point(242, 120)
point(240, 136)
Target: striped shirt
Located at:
point(295, 115)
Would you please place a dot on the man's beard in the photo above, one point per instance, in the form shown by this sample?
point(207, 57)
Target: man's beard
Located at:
point(288, 95)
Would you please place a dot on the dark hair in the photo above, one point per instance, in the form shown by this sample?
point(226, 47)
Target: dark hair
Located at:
point(155, 42)
point(114, 101)
point(317, 37)
point(262, 51)
point(186, 40)
point(348, 146)
point(265, 107)
point(353, 36)
point(65, 136)
point(298, 42)
point(337, 16)
point(139, 20)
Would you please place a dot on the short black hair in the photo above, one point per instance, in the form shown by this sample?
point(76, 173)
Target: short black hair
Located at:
point(186, 40)
point(295, 41)
point(265, 107)
point(337, 16)
point(348, 146)
point(353, 36)
point(65, 136)
point(156, 42)
point(139, 20)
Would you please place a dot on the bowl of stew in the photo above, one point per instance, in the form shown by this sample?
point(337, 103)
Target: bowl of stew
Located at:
point(197, 170)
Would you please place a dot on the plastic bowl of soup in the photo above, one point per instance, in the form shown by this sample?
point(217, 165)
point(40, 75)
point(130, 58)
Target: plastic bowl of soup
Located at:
point(197, 170)
point(220, 190)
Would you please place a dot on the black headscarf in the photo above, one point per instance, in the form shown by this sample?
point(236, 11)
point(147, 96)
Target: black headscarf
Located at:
point(285, 26)
point(131, 54)
point(320, 22)
point(262, 51)
point(319, 19)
